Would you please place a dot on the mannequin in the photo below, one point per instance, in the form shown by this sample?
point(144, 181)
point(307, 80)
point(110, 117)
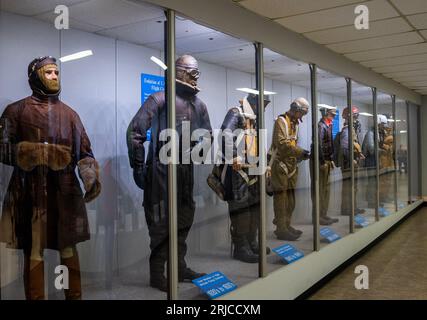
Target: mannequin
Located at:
point(150, 174)
point(44, 208)
point(284, 170)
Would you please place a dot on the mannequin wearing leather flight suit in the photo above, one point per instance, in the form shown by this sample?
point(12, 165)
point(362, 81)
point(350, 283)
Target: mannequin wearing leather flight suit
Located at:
point(44, 208)
point(326, 164)
point(284, 169)
point(242, 190)
point(151, 174)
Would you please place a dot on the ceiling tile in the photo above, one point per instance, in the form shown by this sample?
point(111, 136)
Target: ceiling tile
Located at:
point(376, 29)
point(34, 7)
point(415, 83)
point(388, 52)
point(144, 32)
point(336, 17)
point(285, 8)
point(407, 73)
point(395, 61)
point(419, 20)
point(411, 6)
point(74, 24)
point(208, 42)
point(113, 13)
point(409, 78)
point(229, 54)
point(403, 67)
point(377, 42)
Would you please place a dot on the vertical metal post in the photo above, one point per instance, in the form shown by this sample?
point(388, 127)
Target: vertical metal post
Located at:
point(262, 237)
point(408, 152)
point(351, 151)
point(315, 155)
point(393, 101)
point(172, 175)
point(377, 163)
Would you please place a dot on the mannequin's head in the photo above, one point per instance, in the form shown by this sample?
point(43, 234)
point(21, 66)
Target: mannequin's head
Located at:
point(43, 76)
point(187, 70)
point(328, 113)
point(299, 108)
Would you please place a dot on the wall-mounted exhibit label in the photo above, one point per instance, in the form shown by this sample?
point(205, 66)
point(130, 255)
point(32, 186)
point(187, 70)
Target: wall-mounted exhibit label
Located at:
point(383, 212)
point(329, 235)
point(361, 221)
point(215, 284)
point(289, 253)
point(150, 84)
point(336, 124)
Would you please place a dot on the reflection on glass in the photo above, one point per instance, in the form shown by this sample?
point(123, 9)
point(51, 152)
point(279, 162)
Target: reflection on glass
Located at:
point(402, 154)
point(365, 167)
point(414, 152)
point(334, 174)
point(226, 196)
point(386, 121)
point(288, 124)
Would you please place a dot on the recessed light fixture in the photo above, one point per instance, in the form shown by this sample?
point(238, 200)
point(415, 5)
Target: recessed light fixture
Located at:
point(253, 91)
point(403, 131)
point(366, 114)
point(159, 62)
point(76, 56)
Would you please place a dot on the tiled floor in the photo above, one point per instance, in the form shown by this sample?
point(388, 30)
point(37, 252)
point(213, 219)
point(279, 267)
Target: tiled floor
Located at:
point(397, 266)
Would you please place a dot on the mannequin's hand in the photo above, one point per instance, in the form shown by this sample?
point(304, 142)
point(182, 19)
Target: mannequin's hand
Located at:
point(237, 164)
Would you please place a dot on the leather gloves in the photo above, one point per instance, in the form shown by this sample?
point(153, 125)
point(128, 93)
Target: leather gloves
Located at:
point(139, 176)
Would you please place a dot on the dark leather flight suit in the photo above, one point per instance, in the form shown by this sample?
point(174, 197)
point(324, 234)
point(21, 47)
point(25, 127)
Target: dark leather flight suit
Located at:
point(151, 175)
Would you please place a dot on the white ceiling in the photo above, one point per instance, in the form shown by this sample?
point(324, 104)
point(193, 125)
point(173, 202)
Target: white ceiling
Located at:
point(395, 44)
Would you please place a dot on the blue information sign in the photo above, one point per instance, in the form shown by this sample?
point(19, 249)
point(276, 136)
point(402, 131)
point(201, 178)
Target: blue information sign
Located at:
point(361, 221)
point(150, 84)
point(329, 235)
point(336, 124)
point(383, 212)
point(289, 253)
point(215, 284)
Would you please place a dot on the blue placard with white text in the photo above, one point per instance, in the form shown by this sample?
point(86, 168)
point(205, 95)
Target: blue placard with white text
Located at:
point(336, 124)
point(383, 212)
point(150, 84)
point(329, 235)
point(215, 284)
point(361, 221)
point(289, 253)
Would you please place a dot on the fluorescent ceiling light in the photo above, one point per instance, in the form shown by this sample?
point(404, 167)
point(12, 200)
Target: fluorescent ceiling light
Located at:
point(75, 56)
point(159, 62)
point(327, 106)
point(248, 90)
point(366, 114)
point(403, 131)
